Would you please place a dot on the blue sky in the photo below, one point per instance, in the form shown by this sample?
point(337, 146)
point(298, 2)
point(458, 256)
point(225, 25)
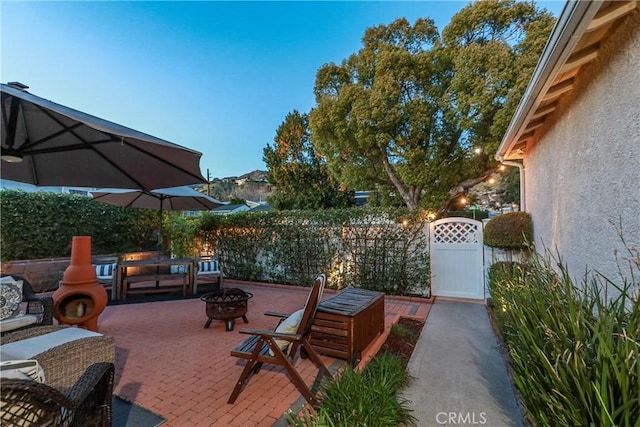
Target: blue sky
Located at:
point(217, 77)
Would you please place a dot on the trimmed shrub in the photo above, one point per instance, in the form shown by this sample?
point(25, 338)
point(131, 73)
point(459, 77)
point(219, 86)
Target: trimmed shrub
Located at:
point(513, 230)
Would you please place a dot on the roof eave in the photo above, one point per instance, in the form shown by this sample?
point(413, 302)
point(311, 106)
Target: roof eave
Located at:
point(571, 25)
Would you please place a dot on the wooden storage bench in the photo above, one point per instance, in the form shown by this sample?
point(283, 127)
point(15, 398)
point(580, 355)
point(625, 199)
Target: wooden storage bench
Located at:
point(345, 324)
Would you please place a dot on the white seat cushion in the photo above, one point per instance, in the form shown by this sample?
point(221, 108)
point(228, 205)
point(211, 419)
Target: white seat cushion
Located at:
point(13, 323)
point(30, 347)
point(22, 370)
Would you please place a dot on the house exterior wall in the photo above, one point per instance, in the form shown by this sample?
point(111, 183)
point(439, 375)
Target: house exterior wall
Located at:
point(583, 175)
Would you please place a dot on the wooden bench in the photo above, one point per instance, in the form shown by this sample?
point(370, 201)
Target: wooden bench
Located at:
point(128, 280)
point(345, 324)
point(154, 270)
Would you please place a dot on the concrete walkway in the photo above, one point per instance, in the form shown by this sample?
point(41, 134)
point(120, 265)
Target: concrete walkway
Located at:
point(460, 376)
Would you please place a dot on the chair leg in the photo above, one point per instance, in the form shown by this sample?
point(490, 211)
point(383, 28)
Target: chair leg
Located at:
point(297, 380)
point(257, 367)
point(311, 353)
point(243, 377)
point(247, 371)
point(294, 375)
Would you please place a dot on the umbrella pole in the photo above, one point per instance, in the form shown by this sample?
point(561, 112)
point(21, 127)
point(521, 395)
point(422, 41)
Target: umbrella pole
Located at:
point(159, 244)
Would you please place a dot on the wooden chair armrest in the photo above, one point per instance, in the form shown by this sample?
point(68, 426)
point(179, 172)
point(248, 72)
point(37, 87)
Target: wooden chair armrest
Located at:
point(271, 334)
point(277, 314)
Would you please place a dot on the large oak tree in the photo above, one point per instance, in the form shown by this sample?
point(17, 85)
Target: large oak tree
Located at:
point(421, 113)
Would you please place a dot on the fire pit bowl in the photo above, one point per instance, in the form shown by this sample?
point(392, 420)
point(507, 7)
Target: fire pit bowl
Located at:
point(227, 305)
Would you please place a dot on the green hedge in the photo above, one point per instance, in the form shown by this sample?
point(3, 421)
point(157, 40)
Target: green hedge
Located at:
point(42, 224)
point(513, 230)
point(385, 250)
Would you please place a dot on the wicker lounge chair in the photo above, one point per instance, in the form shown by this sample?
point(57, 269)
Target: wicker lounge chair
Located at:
point(86, 403)
point(39, 305)
point(65, 363)
point(267, 346)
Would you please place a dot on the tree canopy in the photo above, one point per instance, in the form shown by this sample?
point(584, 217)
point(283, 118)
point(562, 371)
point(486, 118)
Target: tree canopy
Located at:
point(297, 173)
point(421, 113)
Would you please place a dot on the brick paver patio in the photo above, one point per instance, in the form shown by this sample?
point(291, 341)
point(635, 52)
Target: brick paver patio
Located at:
point(168, 363)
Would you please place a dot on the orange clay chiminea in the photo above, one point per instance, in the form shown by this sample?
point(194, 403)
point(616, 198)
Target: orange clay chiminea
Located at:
point(80, 299)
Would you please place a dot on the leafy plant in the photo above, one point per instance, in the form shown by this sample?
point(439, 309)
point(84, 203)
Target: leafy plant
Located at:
point(388, 368)
point(368, 398)
point(403, 331)
point(42, 224)
point(575, 353)
point(512, 230)
point(378, 249)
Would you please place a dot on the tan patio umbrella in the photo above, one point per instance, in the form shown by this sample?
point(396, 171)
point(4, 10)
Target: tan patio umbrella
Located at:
point(45, 143)
point(175, 199)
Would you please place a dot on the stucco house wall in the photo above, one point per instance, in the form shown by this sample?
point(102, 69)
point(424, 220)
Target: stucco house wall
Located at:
point(583, 174)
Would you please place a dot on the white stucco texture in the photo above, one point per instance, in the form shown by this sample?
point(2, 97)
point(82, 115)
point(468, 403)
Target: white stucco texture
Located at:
point(583, 175)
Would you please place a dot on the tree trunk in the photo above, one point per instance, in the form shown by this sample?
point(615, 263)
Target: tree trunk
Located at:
point(411, 200)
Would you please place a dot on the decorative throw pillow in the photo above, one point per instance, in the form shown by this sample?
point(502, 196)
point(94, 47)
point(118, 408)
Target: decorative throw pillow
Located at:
point(288, 326)
point(207, 266)
point(10, 297)
point(105, 270)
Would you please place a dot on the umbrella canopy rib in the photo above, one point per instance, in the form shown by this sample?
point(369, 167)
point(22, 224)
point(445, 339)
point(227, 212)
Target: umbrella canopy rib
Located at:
point(50, 144)
point(175, 199)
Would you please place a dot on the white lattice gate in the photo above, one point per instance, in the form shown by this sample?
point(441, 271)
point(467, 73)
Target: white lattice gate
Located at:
point(456, 258)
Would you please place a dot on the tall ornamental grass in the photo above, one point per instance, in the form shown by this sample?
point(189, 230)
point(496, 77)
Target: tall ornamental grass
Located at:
point(574, 351)
point(367, 398)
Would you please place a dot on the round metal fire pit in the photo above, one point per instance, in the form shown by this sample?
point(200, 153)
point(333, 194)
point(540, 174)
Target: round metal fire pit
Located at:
point(227, 305)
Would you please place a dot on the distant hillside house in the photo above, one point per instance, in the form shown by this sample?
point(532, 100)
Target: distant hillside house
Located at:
point(229, 209)
point(361, 197)
point(262, 207)
point(577, 132)
point(254, 176)
point(6, 184)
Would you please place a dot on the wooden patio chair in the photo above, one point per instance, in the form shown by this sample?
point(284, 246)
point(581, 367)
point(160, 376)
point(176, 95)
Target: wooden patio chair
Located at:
point(279, 347)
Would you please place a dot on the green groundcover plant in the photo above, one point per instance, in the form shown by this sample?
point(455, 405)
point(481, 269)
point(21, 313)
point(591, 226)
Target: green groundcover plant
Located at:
point(574, 351)
point(367, 398)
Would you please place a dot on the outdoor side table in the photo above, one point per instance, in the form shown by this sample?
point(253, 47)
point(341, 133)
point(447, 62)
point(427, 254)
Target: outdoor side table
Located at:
point(345, 324)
